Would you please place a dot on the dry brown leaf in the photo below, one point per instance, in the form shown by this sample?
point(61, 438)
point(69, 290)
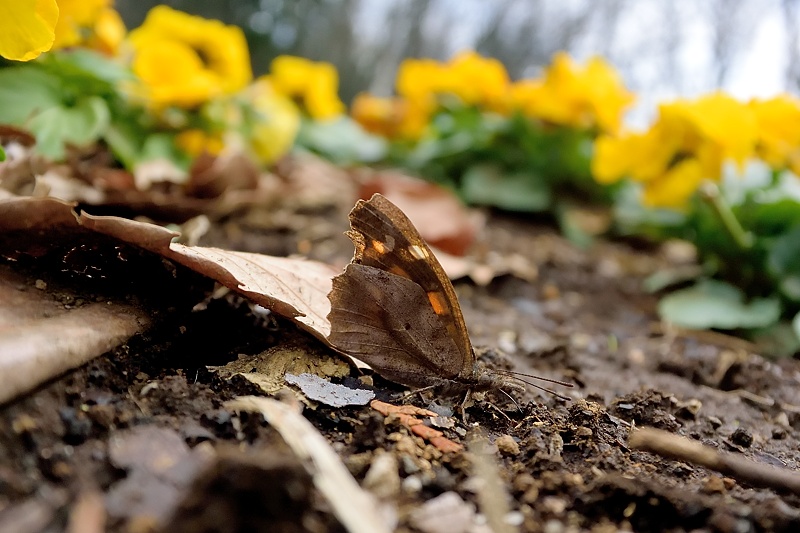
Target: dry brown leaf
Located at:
point(267, 369)
point(40, 338)
point(293, 288)
point(437, 213)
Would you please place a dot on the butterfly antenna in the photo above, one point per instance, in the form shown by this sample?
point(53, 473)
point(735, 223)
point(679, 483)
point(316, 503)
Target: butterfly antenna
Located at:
point(532, 376)
point(512, 399)
point(545, 389)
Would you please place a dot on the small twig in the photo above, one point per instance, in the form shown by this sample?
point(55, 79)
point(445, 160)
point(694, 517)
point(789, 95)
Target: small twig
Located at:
point(682, 449)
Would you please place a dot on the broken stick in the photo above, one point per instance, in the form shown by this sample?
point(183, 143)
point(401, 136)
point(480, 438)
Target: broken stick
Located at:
point(682, 449)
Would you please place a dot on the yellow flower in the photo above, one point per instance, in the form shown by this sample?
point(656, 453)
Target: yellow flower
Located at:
point(277, 123)
point(389, 117)
point(418, 81)
point(90, 23)
point(108, 32)
point(726, 122)
point(473, 79)
point(582, 97)
point(186, 60)
point(778, 122)
point(314, 85)
point(689, 142)
point(196, 142)
point(27, 28)
point(479, 81)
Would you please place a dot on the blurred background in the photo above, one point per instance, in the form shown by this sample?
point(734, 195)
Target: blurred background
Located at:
point(663, 48)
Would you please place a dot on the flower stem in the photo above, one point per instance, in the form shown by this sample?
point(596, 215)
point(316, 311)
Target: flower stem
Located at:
point(710, 193)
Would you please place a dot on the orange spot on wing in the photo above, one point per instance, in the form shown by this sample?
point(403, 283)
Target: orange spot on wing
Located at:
point(437, 302)
point(378, 245)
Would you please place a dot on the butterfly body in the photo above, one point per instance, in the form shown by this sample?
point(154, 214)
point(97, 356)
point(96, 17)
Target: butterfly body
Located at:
point(395, 308)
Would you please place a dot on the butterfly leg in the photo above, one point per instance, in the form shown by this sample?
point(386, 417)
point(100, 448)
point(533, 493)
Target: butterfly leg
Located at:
point(463, 406)
point(416, 391)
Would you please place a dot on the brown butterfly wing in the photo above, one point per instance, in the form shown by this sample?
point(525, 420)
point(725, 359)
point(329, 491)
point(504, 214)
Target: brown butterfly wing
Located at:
point(386, 321)
point(386, 239)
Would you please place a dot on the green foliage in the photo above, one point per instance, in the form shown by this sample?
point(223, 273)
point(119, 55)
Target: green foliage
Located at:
point(341, 141)
point(715, 304)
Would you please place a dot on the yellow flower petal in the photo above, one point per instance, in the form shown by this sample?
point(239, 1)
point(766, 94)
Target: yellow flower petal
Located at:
point(389, 117)
point(674, 188)
point(219, 61)
point(568, 94)
point(27, 28)
point(778, 122)
point(77, 16)
point(175, 74)
point(314, 84)
point(274, 133)
point(727, 122)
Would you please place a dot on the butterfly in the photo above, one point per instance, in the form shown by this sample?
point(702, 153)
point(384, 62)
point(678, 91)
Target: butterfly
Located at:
point(394, 307)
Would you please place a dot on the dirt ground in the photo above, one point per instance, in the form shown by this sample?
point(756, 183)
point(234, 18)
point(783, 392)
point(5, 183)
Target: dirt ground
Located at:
point(139, 440)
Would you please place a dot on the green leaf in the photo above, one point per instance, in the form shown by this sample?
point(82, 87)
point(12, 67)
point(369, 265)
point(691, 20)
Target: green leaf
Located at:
point(777, 340)
point(79, 125)
point(783, 262)
point(90, 64)
point(342, 141)
point(2, 154)
point(162, 146)
point(26, 90)
point(488, 185)
point(715, 304)
point(796, 326)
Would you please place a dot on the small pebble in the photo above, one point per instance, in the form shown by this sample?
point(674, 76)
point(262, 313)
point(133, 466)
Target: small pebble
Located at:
point(742, 437)
point(40, 284)
point(507, 445)
point(714, 485)
point(411, 485)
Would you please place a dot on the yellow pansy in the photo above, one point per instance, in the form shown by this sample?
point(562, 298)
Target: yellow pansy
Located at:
point(473, 79)
point(276, 125)
point(477, 80)
point(185, 60)
point(726, 122)
point(582, 97)
point(27, 28)
point(90, 23)
point(689, 142)
point(314, 84)
point(778, 122)
point(389, 117)
point(418, 81)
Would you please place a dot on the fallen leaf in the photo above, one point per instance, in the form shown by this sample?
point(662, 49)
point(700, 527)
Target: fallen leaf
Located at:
point(333, 394)
point(41, 338)
point(442, 220)
point(293, 288)
point(267, 369)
